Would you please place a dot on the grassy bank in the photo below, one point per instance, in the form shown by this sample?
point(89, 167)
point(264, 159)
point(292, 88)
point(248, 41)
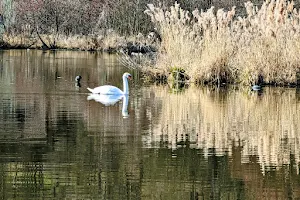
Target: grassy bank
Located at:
point(217, 46)
point(111, 42)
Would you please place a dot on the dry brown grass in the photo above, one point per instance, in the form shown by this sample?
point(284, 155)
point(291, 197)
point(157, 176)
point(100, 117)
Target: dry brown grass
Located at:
point(218, 46)
point(72, 42)
point(17, 41)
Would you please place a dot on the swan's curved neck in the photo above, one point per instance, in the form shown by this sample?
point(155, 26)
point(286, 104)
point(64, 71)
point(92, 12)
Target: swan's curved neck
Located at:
point(125, 85)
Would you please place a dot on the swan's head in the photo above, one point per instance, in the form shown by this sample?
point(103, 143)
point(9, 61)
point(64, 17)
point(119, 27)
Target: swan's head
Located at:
point(127, 75)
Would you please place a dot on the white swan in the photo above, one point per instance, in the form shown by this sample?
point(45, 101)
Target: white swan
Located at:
point(112, 90)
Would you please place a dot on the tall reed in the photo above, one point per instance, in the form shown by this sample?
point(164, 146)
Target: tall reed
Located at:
point(219, 46)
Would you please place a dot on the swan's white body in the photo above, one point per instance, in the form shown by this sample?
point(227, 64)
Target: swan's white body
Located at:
point(112, 90)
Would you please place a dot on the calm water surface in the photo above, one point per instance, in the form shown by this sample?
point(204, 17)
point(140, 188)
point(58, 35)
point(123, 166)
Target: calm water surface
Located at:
point(196, 143)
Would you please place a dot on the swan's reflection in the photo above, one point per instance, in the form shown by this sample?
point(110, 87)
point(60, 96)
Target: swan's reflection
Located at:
point(109, 100)
point(125, 113)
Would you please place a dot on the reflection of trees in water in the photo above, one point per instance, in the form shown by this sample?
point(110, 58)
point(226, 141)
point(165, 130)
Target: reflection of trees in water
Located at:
point(173, 174)
point(20, 116)
point(177, 173)
point(62, 132)
point(188, 174)
point(22, 169)
point(26, 180)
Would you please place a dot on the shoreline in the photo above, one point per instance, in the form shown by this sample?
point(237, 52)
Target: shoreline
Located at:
point(239, 42)
point(110, 44)
point(155, 76)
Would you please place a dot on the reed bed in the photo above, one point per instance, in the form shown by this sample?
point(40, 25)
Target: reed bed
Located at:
point(264, 125)
point(216, 46)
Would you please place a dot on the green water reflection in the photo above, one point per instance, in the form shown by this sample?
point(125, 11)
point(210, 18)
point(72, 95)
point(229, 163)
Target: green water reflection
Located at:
point(200, 143)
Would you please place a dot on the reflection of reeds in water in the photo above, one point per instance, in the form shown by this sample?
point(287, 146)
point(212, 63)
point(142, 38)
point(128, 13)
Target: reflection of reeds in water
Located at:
point(265, 125)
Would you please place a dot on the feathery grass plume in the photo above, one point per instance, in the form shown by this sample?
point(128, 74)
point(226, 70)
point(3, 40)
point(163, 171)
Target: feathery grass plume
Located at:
point(217, 46)
point(273, 42)
point(199, 42)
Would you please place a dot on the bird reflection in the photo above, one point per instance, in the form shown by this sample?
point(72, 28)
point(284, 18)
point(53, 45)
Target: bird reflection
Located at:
point(78, 84)
point(125, 113)
point(109, 100)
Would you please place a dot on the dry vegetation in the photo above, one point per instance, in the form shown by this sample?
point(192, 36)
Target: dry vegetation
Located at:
point(71, 42)
point(219, 46)
point(204, 41)
point(79, 24)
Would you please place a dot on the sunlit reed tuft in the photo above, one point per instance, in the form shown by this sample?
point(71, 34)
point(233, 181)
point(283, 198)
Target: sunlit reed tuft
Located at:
point(216, 46)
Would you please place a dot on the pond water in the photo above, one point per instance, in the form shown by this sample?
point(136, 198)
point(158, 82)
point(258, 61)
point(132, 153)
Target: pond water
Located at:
point(192, 143)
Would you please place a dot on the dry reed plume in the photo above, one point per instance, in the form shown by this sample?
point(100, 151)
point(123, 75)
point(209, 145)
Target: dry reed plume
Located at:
point(218, 46)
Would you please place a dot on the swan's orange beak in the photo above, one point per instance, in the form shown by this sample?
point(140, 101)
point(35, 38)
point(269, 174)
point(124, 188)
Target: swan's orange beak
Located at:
point(129, 77)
